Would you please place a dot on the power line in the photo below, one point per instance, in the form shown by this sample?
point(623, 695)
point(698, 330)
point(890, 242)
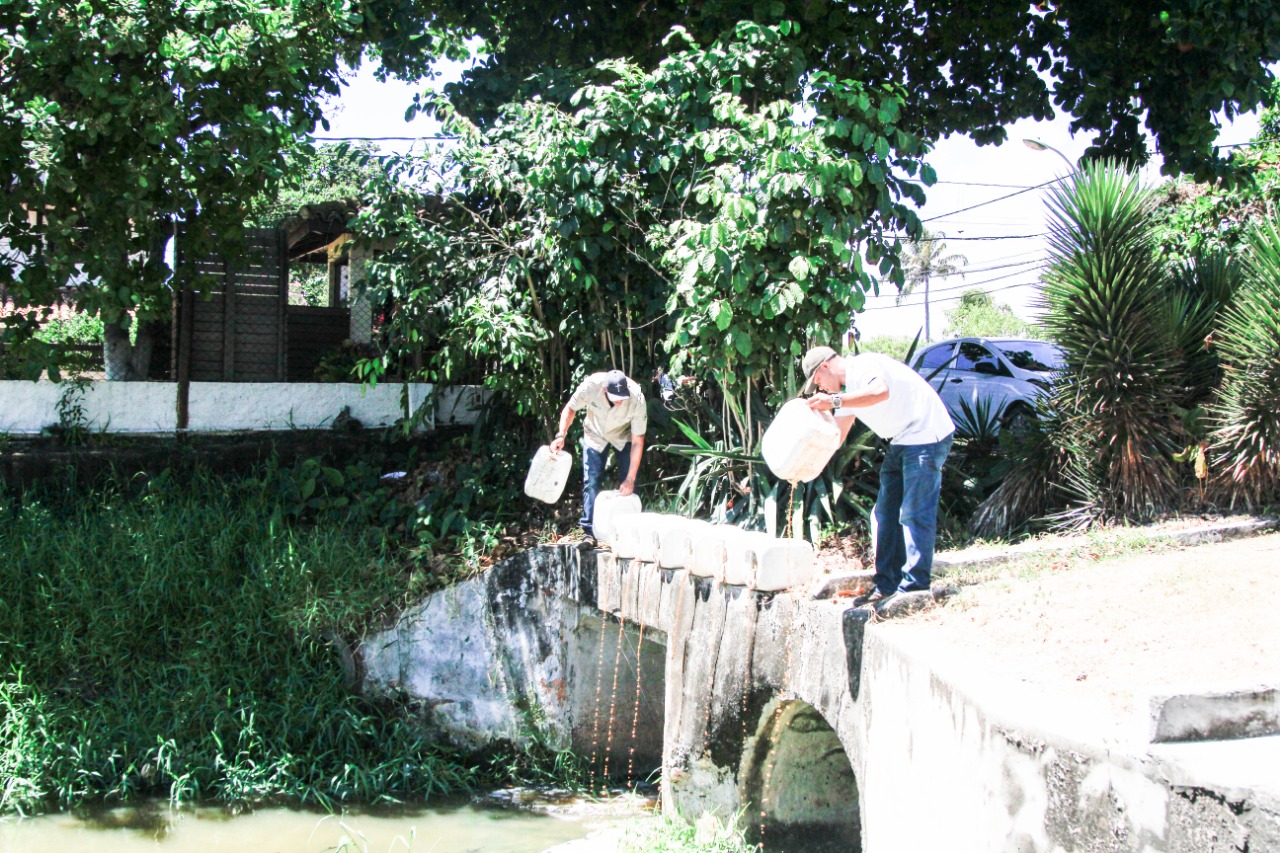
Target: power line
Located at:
point(994, 200)
point(948, 238)
point(933, 301)
point(380, 138)
point(967, 184)
point(994, 268)
point(973, 285)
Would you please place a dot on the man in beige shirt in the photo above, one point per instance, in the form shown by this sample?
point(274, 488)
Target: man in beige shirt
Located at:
point(615, 417)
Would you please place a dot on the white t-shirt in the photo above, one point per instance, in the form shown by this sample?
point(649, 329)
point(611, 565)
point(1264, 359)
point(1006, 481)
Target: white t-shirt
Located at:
point(913, 413)
point(605, 423)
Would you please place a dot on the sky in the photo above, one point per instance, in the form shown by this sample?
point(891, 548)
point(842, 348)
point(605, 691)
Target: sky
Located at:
point(985, 201)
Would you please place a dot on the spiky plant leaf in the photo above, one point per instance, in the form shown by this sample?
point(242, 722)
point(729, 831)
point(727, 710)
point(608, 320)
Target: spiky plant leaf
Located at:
point(1032, 487)
point(1246, 416)
point(1197, 292)
point(1102, 292)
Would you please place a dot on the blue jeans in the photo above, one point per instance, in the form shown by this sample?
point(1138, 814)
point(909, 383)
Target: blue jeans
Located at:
point(593, 462)
point(907, 515)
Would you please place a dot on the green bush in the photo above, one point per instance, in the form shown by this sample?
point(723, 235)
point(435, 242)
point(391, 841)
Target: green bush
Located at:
point(1245, 419)
point(79, 329)
point(186, 639)
point(1104, 293)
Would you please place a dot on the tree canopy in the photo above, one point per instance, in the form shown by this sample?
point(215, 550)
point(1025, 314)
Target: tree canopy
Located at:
point(978, 315)
point(671, 214)
point(968, 66)
point(118, 119)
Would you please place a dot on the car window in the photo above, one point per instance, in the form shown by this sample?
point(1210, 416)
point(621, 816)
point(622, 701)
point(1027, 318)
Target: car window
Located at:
point(1032, 355)
point(979, 359)
point(935, 357)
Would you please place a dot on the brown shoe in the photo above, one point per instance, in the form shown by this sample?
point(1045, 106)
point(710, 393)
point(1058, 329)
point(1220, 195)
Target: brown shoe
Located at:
point(874, 598)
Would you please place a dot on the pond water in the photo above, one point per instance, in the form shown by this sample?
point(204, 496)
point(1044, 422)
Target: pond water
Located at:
point(155, 828)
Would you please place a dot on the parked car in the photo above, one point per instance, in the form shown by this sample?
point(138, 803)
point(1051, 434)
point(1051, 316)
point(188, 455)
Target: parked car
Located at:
point(993, 375)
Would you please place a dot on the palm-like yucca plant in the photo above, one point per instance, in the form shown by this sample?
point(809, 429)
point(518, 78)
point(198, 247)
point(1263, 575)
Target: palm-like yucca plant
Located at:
point(1102, 292)
point(1245, 419)
point(1196, 293)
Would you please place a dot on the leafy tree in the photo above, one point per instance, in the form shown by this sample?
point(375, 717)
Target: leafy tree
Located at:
point(978, 315)
point(119, 121)
point(679, 215)
point(1200, 218)
point(328, 171)
point(971, 66)
point(926, 258)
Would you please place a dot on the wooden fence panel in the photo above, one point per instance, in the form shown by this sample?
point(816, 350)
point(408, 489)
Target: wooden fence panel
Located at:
point(311, 333)
point(236, 328)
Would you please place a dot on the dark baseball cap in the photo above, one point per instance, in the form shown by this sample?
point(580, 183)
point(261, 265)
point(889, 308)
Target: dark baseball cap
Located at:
point(615, 385)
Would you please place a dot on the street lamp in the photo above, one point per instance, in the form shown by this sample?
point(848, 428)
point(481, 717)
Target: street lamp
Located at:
point(1037, 145)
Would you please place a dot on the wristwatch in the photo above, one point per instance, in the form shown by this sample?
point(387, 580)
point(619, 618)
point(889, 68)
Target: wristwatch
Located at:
point(836, 400)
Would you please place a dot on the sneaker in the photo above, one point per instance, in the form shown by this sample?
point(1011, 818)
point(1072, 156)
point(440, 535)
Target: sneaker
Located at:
point(874, 597)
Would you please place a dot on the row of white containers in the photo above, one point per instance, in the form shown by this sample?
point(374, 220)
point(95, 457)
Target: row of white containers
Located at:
point(729, 554)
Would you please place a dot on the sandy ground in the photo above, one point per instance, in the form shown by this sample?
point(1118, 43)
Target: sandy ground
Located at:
point(1193, 618)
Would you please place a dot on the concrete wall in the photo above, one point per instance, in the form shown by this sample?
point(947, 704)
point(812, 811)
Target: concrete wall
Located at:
point(523, 647)
point(26, 408)
point(811, 719)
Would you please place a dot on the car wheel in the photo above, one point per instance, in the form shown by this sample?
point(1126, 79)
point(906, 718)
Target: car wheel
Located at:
point(1020, 420)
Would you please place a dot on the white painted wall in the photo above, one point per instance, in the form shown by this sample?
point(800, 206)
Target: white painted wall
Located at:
point(26, 408)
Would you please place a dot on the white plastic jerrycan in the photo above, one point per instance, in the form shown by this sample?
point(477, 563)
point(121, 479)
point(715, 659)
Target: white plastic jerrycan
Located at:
point(710, 550)
point(678, 537)
point(784, 564)
point(548, 474)
point(610, 508)
point(741, 557)
point(799, 442)
point(638, 536)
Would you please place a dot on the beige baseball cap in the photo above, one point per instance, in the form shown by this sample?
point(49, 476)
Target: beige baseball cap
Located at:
point(812, 360)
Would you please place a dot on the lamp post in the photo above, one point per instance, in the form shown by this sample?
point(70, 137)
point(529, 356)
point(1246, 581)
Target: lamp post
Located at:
point(1037, 145)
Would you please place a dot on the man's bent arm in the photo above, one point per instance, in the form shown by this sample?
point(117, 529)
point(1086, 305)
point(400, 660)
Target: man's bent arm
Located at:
point(566, 420)
point(637, 450)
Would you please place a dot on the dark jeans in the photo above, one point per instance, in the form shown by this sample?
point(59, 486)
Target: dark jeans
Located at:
point(907, 515)
point(593, 462)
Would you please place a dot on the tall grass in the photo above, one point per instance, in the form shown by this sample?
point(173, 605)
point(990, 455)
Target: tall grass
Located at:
point(182, 639)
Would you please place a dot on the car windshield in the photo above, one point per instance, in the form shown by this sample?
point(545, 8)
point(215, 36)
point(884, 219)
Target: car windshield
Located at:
point(1032, 355)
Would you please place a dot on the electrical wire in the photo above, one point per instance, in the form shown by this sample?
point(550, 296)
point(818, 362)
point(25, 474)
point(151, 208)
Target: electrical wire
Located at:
point(972, 285)
point(933, 301)
point(997, 199)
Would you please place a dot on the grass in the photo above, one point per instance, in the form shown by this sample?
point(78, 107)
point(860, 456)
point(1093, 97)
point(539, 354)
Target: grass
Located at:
point(664, 835)
point(183, 640)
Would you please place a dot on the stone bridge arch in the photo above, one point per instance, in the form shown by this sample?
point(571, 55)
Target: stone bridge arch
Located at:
point(798, 785)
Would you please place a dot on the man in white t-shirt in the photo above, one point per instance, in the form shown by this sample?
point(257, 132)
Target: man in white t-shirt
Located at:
point(616, 417)
point(897, 404)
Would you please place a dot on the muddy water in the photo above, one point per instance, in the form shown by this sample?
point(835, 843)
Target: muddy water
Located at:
point(158, 829)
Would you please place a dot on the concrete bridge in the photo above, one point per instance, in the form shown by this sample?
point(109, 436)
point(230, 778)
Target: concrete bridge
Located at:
point(809, 721)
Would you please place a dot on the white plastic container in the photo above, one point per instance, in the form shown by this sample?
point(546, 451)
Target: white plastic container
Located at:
point(784, 564)
point(610, 507)
point(677, 539)
point(548, 474)
point(649, 535)
point(638, 536)
point(741, 556)
point(710, 550)
point(799, 442)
